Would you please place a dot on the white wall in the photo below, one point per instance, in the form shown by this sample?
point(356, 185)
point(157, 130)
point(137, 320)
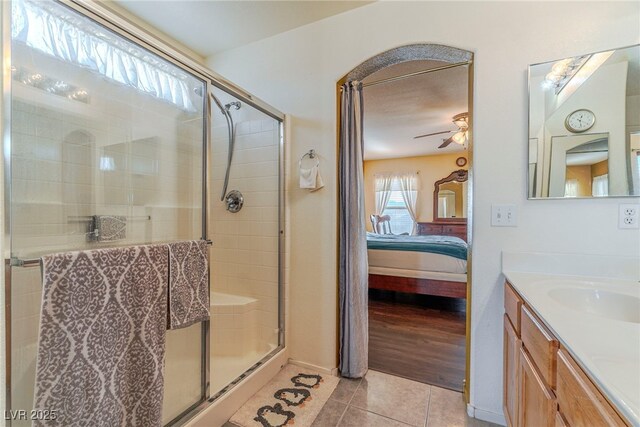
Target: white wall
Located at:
point(297, 71)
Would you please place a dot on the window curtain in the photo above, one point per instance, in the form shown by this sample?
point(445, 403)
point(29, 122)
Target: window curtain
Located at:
point(600, 187)
point(409, 191)
point(383, 191)
point(635, 171)
point(83, 43)
point(354, 269)
point(571, 188)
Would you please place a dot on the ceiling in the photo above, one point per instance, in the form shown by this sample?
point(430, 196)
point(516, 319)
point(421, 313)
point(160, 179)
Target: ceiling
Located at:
point(395, 112)
point(209, 27)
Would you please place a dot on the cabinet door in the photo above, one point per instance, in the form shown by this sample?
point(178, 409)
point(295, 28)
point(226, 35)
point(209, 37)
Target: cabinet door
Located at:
point(537, 405)
point(512, 346)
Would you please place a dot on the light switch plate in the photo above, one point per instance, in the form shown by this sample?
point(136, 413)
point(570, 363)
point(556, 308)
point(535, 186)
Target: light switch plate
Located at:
point(504, 216)
point(628, 216)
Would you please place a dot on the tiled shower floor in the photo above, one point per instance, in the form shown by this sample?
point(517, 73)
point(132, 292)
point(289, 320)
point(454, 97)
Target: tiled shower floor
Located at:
point(382, 400)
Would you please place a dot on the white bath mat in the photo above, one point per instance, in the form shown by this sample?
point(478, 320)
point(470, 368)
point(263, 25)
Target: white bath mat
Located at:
point(293, 397)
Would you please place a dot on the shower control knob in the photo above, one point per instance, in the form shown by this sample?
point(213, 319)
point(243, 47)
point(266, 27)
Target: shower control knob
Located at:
point(234, 201)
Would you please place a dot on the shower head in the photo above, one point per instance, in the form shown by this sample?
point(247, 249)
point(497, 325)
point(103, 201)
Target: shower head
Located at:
point(219, 104)
point(234, 104)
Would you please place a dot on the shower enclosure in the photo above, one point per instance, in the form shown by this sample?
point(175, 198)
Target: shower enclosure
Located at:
point(106, 122)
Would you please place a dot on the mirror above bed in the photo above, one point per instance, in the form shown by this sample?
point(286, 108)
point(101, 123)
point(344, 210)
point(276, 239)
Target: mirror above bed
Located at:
point(450, 198)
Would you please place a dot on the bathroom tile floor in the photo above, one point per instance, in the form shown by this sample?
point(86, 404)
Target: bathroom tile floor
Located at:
point(381, 400)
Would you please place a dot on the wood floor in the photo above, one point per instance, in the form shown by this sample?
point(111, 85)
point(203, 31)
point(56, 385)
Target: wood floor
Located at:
point(418, 337)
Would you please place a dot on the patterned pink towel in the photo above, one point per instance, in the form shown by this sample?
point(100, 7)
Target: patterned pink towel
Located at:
point(188, 283)
point(102, 337)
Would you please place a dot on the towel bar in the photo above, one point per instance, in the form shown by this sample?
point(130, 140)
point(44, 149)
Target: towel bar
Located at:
point(35, 262)
point(17, 262)
point(310, 154)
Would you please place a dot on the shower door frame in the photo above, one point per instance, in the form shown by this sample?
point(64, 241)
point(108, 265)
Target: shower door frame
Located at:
point(124, 27)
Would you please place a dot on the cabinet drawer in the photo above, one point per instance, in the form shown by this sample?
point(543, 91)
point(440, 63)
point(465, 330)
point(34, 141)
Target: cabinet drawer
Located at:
point(512, 304)
point(454, 229)
point(540, 344)
point(428, 229)
point(579, 401)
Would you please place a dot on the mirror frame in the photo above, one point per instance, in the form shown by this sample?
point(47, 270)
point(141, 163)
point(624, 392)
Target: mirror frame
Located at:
point(460, 175)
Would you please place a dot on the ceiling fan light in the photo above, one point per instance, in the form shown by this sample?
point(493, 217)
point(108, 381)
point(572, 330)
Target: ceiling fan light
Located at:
point(461, 123)
point(459, 137)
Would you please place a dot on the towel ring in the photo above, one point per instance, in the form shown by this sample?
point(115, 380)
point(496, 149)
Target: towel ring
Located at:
point(310, 154)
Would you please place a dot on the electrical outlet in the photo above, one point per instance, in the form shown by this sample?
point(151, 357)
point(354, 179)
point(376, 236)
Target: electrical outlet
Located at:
point(504, 216)
point(628, 216)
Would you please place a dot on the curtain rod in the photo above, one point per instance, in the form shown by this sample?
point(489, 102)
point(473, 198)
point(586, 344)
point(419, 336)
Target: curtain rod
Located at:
point(417, 73)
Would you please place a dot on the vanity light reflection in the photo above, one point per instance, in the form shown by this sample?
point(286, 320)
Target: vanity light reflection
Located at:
point(584, 126)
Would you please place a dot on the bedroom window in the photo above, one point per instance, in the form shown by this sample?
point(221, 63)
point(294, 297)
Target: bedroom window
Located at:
point(396, 208)
point(600, 186)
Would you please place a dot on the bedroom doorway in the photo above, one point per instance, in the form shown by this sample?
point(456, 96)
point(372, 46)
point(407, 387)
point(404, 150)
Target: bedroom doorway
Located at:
point(416, 188)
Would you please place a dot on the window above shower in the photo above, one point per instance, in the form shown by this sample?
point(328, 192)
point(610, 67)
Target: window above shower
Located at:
point(56, 32)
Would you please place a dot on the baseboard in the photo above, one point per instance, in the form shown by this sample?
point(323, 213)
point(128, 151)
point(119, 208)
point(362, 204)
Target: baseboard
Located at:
point(313, 367)
point(481, 414)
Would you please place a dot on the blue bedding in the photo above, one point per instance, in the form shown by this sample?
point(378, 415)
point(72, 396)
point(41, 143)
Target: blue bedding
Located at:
point(443, 245)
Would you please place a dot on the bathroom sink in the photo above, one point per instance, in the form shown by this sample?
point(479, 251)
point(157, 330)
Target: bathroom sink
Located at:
point(609, 304)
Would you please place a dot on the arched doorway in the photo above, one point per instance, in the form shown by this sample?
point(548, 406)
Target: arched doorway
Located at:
point(353, 279)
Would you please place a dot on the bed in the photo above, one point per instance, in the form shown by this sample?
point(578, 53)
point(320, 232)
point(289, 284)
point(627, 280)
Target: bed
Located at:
point(427, 265)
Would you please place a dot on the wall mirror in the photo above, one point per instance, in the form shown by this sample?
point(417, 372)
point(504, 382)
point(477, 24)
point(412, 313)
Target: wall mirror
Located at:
point(450, 197)
point(584, 126)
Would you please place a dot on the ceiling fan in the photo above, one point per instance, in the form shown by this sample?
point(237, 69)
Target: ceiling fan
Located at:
point(459, 137)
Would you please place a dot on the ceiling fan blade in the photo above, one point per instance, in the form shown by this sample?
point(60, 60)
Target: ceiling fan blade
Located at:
point(432, 134)
point(446, 142)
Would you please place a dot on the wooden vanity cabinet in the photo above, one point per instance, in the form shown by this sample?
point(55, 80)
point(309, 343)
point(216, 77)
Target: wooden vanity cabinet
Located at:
point(543, 385)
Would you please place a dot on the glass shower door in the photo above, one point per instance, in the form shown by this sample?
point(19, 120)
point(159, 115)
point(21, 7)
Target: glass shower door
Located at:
point(99, 127)
point(245, 275)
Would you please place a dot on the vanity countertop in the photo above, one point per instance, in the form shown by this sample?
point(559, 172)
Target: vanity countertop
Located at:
point(603, 339)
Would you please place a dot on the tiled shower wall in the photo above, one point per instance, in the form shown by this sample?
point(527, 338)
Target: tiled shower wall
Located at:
point(66, 168)
point(245, 244)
